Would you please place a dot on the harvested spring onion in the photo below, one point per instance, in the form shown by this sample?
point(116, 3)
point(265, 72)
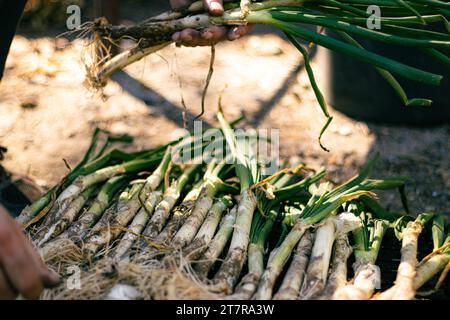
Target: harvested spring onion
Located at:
point(212, 184)
point(429, 267)
point(338, 271)
point(180, 214)
point(367, 277)
point(217, 245)
point(261, 229)
point(92, 160)
point(293, 280)
point(409, 233)
point(205, 234)
point(171, 195)
point(108, 231)
point(321, 205)
point(326, 234)
point(149, 197)
point(79, 229)
point(247, 171)
point(67, 217)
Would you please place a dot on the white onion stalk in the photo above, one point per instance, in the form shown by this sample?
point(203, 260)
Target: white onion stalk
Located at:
point(171, 196)
point(327, 232)
point(206, 232)
point(189, 229)
point(338, 274)
point(278, 259)
point(124, 197)
point(424, 273)
point(179, 215)
point(322, 204)
point(67, 217)
point(137, 225)
point(217, 245)
point(404, 282)
point(367, 274)
point(293, 280)
point(80, 228)
point(231, 268)
point(106, 233)
point(249, 282)
point(246, 168)
point(81, 183)
point(149, 198)
point(261, 229)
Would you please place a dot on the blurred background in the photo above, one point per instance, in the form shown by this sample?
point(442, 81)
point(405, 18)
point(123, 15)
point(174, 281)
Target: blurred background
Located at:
point(48, 115)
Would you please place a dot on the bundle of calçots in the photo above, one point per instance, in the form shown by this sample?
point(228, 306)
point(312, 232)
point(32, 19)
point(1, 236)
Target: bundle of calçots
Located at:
point(141, 225)
point(395, 22)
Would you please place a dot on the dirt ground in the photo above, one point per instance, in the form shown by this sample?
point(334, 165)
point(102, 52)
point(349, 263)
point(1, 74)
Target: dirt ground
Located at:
point(47, 115)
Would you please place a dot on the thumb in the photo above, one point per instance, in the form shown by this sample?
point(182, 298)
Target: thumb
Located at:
point(215, 7)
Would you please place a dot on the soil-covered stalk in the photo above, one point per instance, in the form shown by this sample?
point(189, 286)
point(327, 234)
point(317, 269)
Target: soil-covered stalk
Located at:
point(247, 287)
point(189, 229)
point(424, 273)
point(338, 274)
point(170, 198)
point(79, 229)
point(317, 272)
point(137, 225)
point(206, 232)
point(217, 245)
point(83, 182)
point(404, 283)
point(98, 76)
point(367, 274)
point(278, 259)
point(229, 271)
point(293, 280)
point(420, 273)
point(260, 232)
point(121, 202)
point(107, 232)
point(149, 198)
point(68, 216)
point(180, 214)
point(154, 180)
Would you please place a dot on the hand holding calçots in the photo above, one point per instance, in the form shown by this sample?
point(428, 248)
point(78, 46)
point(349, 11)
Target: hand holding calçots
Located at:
point(211, 35)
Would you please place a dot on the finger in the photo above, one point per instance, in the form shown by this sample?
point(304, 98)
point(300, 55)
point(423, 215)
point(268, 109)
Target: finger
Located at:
point(180, 4)
point(214, 34)
point(238, 32)
point(189, 37)
point(18, 265)
point(176, 36)
point(6, 291)
point(215, 7)
point(48, 277)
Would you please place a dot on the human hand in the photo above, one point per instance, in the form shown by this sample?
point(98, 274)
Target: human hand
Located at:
point(21, 269)
point(211, 35)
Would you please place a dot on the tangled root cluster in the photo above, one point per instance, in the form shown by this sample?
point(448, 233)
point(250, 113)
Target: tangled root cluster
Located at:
point(170, 278)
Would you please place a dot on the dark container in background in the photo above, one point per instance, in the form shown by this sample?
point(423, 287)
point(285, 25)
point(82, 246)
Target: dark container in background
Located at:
point(358, 90)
